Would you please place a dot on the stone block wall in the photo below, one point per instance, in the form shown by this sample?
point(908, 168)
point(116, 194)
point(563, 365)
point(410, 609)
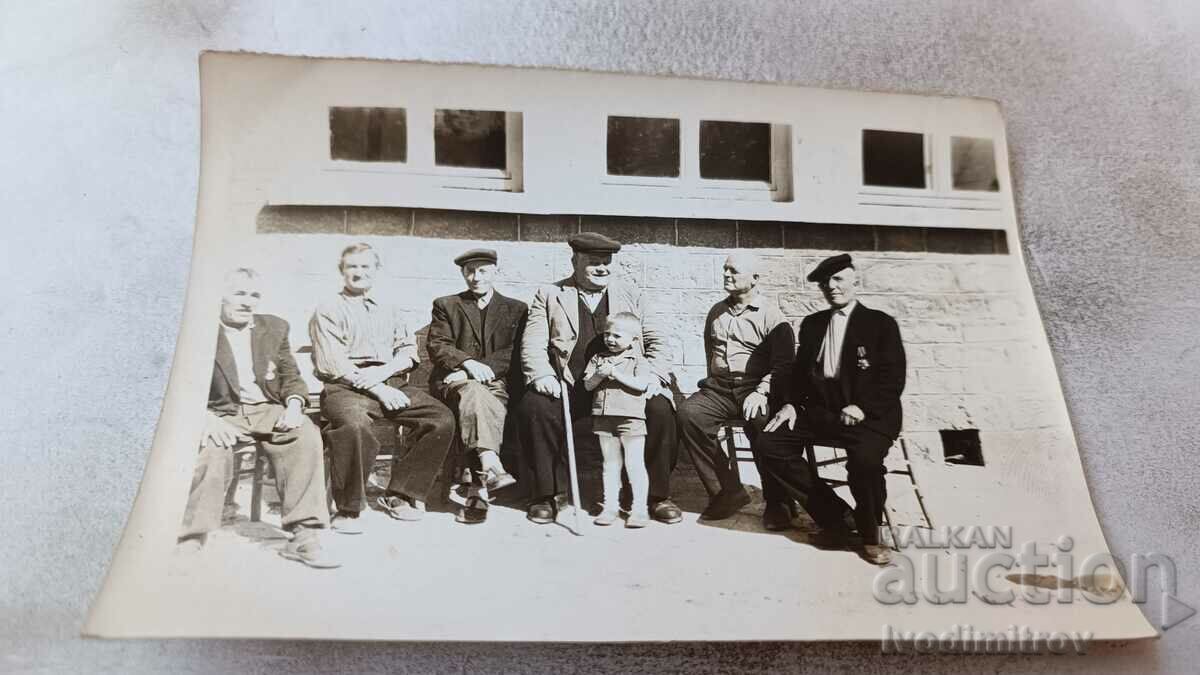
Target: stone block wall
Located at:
point(977, 358)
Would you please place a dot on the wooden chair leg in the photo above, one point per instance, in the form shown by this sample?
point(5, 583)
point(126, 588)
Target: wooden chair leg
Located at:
point(731, 448)
point(260, 461)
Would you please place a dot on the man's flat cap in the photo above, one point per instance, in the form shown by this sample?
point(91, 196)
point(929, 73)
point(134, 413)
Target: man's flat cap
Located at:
point(829, 267)
point(593, 242)
point(474, 254)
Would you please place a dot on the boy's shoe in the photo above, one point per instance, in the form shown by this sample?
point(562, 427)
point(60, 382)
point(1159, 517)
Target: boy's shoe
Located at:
point(607, 517)
point(305, 548)
point(638, 519)
point(726, 504)
point(401, 507)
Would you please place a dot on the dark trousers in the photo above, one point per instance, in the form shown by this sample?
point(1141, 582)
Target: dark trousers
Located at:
point(544, 441)
point(353, 446)
point(781, 453)
point(700, 417)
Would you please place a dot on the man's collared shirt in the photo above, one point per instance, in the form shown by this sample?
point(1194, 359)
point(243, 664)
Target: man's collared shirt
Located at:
point(733, 335)
point(243, 360)
point(835, 336)
point(591, 298)
point(357, 329)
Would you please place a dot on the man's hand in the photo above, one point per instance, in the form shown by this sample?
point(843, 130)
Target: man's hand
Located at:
point(365, 378)
point(219, 433)
point(455, 377)
point(478, 371)
point(547, 385)
point(754, 405)
point(786, 415)
point(292, 416)
point(852, 415)
point(390, 397)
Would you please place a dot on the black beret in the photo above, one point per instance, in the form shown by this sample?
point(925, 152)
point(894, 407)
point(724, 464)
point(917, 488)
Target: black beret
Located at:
point(829, 267)
point(476, 254)
point(593, 242)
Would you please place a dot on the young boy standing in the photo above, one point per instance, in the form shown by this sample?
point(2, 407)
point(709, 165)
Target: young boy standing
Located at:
point(618, 378)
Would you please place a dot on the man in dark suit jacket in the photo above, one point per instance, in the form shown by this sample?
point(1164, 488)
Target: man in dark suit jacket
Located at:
point(845, 388)
point(257, 395)
point(470, 343)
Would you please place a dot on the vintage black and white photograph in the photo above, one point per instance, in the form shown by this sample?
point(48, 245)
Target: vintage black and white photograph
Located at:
point(483, 353)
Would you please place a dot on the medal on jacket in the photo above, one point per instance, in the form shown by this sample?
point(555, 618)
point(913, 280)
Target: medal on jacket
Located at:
point(863, 363)
point(270, 374)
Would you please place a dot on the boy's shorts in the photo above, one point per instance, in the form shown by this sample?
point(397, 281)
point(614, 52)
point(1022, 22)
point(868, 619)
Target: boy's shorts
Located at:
point(613, 425)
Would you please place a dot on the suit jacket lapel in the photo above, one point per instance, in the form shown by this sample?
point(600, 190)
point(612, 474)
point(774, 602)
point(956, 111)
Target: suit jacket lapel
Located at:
point(258, 353)
point(466, 305)
point(849, 359)
point(225, 362)
point(568, 299)
point(498, 314)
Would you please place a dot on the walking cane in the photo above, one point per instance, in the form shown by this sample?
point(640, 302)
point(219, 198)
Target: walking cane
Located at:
point(563, 393)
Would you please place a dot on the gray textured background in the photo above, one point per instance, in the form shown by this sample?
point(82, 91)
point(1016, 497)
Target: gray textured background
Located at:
point(99, 147)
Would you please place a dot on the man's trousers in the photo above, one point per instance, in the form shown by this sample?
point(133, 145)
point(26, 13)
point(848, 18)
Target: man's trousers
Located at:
point(700, 417)
point(296, 457)
point(782, 455)
point(544, 441)
point(481, 409)
point(429, 427)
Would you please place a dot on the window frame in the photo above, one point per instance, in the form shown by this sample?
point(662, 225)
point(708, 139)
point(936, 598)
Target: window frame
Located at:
point(420, 157)
point(938, 191)
point(689, 184)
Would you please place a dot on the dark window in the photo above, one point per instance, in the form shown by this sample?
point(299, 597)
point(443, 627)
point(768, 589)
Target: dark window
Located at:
point(643, 146)
point(368, 134)
point(893, 158)
point(962, 446)
point(973, 164)
point(469, 138)
point(735, 150)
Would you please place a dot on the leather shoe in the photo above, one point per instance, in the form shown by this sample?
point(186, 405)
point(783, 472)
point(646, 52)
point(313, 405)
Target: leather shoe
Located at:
point(473, 512)
point(666, 512)
point(543, 511)
point(876, 554)
point(725, 505)
point(777, 516)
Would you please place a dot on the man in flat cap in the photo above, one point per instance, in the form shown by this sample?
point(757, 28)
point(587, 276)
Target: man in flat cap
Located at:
point(563, 332)
point(362, 351)
point(471, 339)
point(749, 346)
point(844, 387)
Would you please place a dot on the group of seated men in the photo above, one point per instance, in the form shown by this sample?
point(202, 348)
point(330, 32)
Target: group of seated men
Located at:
point(839, 380)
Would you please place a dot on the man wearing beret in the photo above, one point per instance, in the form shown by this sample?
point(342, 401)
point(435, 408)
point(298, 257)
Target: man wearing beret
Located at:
point(845, 388)
point(470, 343)
point(564, 330)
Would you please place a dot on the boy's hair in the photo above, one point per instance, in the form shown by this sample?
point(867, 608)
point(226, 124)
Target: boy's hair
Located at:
point(625, 319)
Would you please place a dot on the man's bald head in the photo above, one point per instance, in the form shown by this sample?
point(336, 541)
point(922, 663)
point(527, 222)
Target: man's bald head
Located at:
point(740, 274)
